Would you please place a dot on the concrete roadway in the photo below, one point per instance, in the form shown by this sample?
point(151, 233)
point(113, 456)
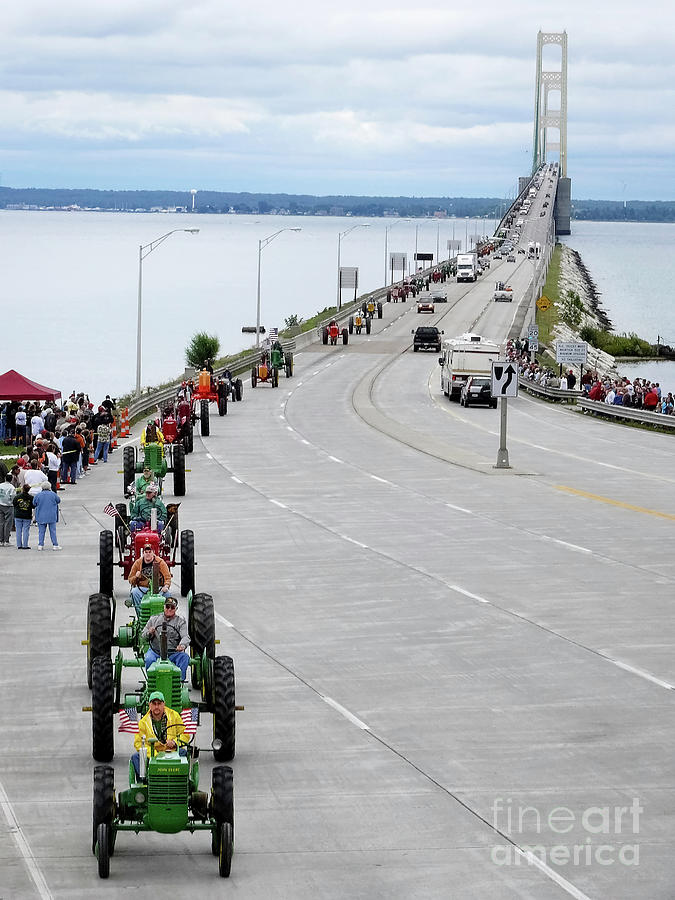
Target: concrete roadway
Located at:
point(426, 648)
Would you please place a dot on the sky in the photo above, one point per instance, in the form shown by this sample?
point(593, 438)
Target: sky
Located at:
point(378, 97)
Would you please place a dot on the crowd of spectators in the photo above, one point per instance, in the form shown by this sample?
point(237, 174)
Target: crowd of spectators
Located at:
point(51, 443)
point(641, 393)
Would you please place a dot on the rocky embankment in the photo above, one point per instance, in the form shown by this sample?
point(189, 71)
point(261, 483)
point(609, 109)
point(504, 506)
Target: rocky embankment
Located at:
point(574, 276)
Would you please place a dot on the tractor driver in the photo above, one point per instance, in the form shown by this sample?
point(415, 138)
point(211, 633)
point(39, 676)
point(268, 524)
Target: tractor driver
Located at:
point(151, 434)
point(177, 637)
point(144, 479)
point(159, 722)
point(140, 576)
point(141, 509)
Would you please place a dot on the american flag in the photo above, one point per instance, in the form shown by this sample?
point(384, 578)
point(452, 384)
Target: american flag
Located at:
point(190, 719)
point(110, 510)
point(129, 720)
point(273, 334)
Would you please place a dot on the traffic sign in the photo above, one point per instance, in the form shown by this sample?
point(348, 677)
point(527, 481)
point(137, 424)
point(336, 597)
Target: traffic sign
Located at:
point(571, 352)
point(533, 345)
point(543, 302)
point(504, 379)
point(532, 330)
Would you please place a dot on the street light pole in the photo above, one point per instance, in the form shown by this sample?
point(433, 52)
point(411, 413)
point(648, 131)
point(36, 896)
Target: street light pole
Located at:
point(143, 251)
point(342, 234)
point(261, 246)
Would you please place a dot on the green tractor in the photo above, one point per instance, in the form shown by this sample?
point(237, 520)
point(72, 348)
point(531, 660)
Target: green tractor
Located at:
point(212, 675)
point(164, 796)
point(281, 360)
point(161, 459)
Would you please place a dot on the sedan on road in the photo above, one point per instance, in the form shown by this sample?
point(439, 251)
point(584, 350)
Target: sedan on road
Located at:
point(510, 258)
point(425, 306)
point(477, 389)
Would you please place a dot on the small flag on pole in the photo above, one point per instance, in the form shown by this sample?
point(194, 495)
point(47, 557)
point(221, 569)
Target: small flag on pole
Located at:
point(273, 334)
point(190, 719)
point(110, 510)
point(129, 720)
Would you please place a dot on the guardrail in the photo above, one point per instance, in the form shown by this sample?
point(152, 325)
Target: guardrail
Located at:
point(626, 414)
point(559, 395)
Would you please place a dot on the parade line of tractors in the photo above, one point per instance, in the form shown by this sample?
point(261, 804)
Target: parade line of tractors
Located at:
point(163, 793)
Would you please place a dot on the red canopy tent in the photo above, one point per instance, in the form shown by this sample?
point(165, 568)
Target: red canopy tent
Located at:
point(14, 386)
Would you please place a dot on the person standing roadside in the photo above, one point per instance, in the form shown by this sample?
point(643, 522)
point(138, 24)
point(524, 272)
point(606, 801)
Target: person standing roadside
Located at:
point(23, 513)
point(7, 495)
point(20, 424)
point(103, 441)
point(47, 515)
point(37, 424)
point(70, 453)
point(53, 465)
point(34, 477)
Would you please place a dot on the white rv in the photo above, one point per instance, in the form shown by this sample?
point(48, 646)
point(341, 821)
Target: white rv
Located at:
point(468, 354)
point(467, 267)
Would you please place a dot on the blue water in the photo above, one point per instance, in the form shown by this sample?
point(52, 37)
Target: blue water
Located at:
point(70, 285)
point(633, 267)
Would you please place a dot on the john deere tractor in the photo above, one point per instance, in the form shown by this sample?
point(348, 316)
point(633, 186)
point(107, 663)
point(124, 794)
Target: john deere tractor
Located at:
point(164, 796)
point(160, 459)
point(212, 675)
point(281, 360)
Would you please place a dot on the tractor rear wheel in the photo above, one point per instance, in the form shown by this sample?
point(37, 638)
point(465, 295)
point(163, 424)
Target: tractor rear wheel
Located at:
point(275, 377)
point(102, 712)
point(324, 335)
point(202, 630)
point(223, 708)
point(368, 326)
point(204, 418)
point(239, 389)
point(179, 470)
point(129, 467)
point(104, 799)
point(345, 336)
point(254, 377)
point(105, 562)
point(191, 440)
point(222, 803)
point(122, 510)
point(226, 850)
point(351, 324)
point(288, 360)
point(222, 406)
point(99, 630)
point(379, 310)
point(103, 849)
point(187, 562)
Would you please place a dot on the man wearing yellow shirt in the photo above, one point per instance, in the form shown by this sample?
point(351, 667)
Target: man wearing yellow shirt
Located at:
point(159, 722)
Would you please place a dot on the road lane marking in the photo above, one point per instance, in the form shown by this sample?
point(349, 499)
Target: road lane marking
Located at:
point(641, 672)
point(459, 508)
point(352, 541)
point(225, 621)
point(545, 537)
point(238, 480)
point(208, 456)
point(534, 860)
point(456, 587)
point(345, 712)
point(305, 441)
point(278, 503)
point(289, 428)
point(335, 459)
point(24, 847)
point(383, 480)
point(619, 503)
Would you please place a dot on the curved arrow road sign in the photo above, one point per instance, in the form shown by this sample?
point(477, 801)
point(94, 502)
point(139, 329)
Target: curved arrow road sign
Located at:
point(504, 379)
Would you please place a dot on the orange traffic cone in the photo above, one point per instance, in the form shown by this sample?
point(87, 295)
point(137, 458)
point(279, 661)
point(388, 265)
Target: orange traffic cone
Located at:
point(125, 431)
point(113, 441)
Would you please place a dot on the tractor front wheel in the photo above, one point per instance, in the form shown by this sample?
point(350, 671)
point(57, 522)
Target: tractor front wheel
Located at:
point(288, 360)
point(223, 708)
point(368, 326)
point(239, 389)
point(222, 803)
point(102, 711)
point(225, 851)
point(103, 849)
point(254, 377)
point(179, 470)
point(204, 418)
point(351, 324)
point(129, 467)
point(324, 335)
point(104, 800)
point(105, 562)
point(379, 310)
point(187, 562)
point(345, 336)
point(99, 630)
point(222, 406)
point(202, 630)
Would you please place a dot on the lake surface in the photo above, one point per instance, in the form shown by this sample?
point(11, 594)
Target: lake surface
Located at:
point(633, 266)
point(70, 284)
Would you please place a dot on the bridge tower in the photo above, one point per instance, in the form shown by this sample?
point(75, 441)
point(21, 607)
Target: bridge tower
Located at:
point(545, 117)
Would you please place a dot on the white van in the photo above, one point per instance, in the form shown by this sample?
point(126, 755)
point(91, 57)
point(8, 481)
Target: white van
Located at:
point(468, 354)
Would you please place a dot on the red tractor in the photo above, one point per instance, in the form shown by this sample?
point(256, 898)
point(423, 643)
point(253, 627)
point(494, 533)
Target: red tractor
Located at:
point(176, 424)
point(265, 372)
point(208, 390)
point(331, 333)
point(130, 545)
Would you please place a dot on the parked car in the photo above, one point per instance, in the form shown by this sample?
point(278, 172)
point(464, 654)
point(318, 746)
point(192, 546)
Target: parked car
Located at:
point(427, 337)
point(510, 258)
point(477, 389)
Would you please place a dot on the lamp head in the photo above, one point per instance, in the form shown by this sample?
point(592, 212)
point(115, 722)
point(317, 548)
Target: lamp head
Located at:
point(192, 230)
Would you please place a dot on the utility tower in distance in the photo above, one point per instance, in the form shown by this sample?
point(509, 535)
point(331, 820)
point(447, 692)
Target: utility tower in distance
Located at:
point(545, 117)
point(194, 194)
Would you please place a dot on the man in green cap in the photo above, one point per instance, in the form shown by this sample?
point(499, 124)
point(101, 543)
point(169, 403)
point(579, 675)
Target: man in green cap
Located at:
point(159, 722)
point(144, 479)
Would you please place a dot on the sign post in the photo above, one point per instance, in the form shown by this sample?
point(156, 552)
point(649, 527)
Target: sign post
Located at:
point(504, 385)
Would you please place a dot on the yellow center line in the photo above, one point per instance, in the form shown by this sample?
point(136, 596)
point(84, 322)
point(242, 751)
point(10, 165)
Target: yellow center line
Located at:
point(640, 509)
